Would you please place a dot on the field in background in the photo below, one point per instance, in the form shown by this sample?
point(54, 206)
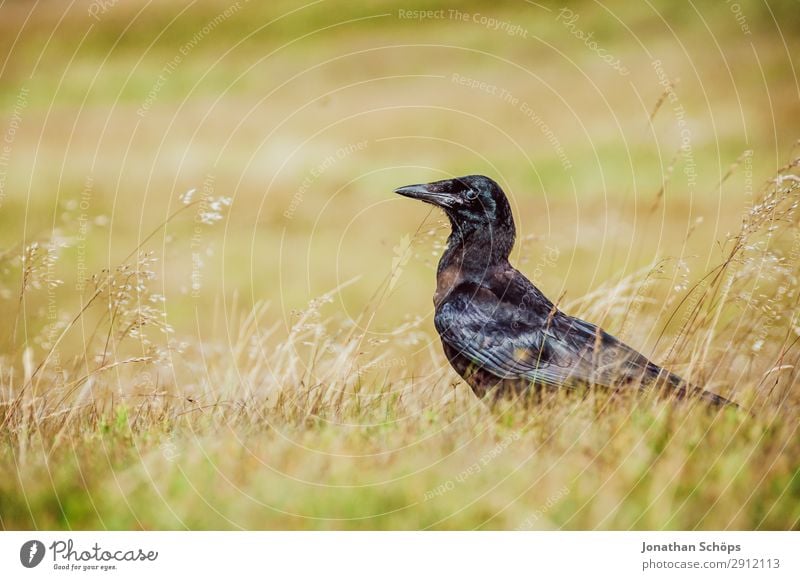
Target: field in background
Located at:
point(219, 316)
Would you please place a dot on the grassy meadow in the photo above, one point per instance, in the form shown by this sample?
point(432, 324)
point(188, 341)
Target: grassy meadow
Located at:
point(218, 316)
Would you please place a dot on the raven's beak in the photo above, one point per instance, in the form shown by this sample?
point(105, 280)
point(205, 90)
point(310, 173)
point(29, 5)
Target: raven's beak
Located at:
point(424, 192)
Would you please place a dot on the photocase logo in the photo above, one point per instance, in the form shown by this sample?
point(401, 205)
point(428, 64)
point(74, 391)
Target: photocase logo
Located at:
point(31, 553)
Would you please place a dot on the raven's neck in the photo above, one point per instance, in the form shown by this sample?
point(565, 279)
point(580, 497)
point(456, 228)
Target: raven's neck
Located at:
point(475, 250)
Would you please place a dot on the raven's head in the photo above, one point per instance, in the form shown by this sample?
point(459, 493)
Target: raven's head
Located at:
point(469, 201)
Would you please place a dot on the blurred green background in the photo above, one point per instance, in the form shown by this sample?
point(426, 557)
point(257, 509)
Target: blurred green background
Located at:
point(308, 115)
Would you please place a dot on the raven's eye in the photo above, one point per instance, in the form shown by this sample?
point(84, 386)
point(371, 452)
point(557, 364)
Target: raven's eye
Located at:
point(472, 194)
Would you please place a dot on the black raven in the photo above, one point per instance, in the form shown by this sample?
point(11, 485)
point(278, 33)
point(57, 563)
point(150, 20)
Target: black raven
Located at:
point(500, 333)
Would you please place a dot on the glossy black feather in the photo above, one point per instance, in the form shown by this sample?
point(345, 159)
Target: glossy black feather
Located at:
point(497, 329)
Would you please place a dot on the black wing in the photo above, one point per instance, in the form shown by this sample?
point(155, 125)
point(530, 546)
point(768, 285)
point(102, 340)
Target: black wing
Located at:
point(515, 337)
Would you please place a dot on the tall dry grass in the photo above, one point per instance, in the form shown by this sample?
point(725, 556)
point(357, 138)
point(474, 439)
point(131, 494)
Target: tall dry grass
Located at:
point(320, 428)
